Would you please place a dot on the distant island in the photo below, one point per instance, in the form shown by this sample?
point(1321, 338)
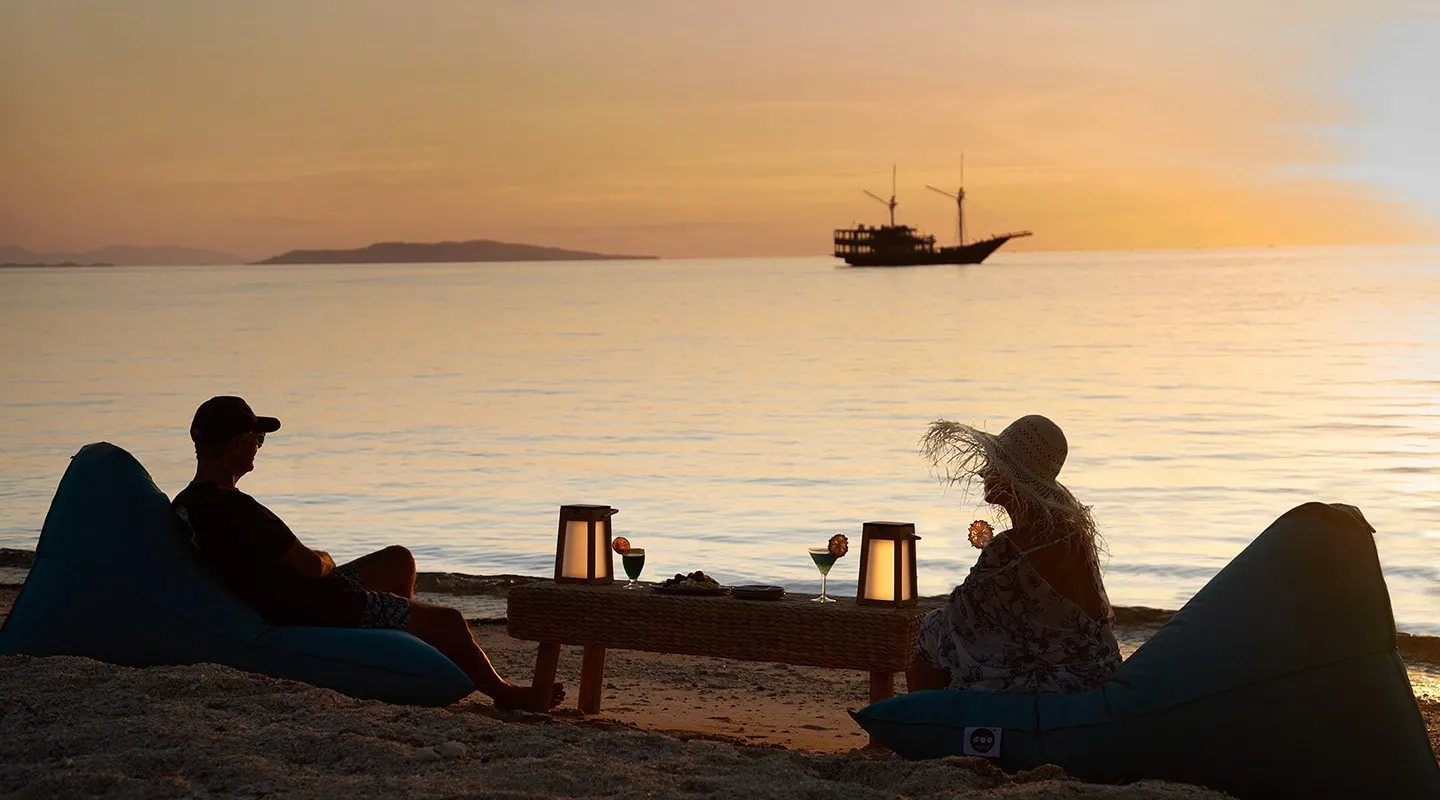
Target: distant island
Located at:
point(122, 255)
point(379, 253)
point(440, 253)
point(56, 264)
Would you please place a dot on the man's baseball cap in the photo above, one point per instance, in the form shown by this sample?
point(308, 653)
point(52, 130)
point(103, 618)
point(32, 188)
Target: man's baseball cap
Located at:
point(222, 417)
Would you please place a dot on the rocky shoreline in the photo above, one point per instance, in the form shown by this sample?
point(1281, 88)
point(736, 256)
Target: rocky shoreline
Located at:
point(482, 599)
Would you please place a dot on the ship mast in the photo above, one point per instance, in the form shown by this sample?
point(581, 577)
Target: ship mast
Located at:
point(891, 203)
point(959, 198)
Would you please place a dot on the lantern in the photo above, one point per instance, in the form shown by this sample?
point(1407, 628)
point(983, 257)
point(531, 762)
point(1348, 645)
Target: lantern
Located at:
point(582, 549)
point(887, 564)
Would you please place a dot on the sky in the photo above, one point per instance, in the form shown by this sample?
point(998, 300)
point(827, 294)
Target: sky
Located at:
point(713, 130)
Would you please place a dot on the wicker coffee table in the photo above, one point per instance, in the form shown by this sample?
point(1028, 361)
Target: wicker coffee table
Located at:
point(841, 635)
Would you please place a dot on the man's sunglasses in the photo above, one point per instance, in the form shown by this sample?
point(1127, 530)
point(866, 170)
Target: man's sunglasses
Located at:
point(259, 439)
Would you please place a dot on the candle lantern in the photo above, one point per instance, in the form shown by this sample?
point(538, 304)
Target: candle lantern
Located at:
point(887, 564)
point(582, 549)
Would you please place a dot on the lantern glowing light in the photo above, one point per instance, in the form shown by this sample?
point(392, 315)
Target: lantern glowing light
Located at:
point(582, 547)
point(887, 564)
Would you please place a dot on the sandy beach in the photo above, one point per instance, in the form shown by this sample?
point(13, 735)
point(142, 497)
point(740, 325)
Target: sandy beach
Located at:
point(671, 726)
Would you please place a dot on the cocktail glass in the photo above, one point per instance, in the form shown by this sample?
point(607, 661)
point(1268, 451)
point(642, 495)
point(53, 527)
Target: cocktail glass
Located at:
point(824, 560)
point(634, 561)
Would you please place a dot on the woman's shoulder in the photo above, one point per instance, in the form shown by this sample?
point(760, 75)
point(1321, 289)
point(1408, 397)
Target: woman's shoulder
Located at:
point(1000, 552)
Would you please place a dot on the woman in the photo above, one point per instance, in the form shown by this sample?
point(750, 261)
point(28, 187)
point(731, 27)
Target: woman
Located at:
point(1032, 615)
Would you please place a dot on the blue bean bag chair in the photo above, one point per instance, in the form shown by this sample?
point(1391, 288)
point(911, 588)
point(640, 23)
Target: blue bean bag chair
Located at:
point(1280, 678)
point(116, 579)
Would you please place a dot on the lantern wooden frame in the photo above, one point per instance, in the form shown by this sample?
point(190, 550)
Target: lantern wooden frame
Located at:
point(599, 566)
point(905, 591)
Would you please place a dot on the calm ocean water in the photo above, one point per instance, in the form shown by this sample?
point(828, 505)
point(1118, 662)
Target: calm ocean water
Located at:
point(739, 411)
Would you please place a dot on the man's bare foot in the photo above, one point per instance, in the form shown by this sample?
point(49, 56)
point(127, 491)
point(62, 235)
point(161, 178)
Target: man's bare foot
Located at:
point(510, 697)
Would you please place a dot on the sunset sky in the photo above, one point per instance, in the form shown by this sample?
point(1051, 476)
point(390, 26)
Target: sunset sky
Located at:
point(716, 129)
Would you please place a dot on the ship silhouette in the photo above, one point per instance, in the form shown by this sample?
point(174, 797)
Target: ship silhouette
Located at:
point(903, 246)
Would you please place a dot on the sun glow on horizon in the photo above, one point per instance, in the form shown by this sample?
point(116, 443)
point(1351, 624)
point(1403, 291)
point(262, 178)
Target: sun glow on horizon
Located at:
point(648, 127)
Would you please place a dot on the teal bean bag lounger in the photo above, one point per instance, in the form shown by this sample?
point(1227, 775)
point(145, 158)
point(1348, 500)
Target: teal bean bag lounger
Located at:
point(1280, 678)
point(116, 579)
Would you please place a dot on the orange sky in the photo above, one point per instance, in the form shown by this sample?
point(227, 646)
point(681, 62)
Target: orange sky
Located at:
point(651, 126)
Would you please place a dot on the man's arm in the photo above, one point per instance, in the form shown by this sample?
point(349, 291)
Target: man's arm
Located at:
point(307, 562)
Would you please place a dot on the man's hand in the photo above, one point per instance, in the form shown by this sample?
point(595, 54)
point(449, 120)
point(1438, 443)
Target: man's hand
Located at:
point(307, 562)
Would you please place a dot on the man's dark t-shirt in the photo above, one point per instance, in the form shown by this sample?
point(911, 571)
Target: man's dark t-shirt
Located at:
point(242, 542)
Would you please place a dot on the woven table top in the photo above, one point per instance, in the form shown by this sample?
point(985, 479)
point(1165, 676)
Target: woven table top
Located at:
point(792, 630)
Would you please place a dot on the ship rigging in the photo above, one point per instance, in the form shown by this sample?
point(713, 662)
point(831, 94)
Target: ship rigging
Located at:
point(903, 246)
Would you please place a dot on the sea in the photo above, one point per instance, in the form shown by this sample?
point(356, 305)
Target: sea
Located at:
point(740, 411)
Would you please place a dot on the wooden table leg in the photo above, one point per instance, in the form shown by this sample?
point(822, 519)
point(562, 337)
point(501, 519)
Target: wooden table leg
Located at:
point(545, 663)
point(592, 679)
point(882, 685)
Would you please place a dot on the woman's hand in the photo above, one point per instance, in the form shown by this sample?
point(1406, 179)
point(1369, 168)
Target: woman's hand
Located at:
point(980, 534)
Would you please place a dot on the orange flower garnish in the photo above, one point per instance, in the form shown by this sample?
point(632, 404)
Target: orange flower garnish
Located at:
point(981, 533)
point(620, 545)
point(839, 545)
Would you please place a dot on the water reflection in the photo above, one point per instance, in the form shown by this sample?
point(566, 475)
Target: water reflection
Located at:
point(740, 411)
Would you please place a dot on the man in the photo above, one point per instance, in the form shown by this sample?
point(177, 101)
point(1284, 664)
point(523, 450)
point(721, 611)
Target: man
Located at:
point(257, 556)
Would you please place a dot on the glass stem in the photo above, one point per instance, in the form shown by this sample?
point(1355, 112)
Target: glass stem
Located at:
point(824, 578)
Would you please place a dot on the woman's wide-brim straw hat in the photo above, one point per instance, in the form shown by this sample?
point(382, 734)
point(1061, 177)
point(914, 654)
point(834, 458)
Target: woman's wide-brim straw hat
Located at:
point(1026, 456)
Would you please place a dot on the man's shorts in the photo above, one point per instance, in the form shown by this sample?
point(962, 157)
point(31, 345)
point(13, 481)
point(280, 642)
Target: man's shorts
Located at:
point(379, 610)
point(339, 600)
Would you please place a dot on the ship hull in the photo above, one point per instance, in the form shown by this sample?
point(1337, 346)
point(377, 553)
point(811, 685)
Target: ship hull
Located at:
point(972, 253)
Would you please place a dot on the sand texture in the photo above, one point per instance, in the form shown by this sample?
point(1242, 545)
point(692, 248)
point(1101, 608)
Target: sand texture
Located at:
point(72, 727)
point(670, 726)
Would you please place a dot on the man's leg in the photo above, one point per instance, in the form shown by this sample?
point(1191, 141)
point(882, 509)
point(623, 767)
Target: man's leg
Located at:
point(446, 630)
point(391, 571)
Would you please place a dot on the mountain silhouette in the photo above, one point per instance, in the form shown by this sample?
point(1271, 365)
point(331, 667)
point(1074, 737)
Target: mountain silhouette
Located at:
point(124, 255)
point(439, 252)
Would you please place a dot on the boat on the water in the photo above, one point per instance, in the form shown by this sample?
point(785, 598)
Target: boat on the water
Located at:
point(903, 246)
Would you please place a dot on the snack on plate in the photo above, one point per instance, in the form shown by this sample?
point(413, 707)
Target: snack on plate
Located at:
point(695, 580)
point(980, 533)
point(620, 545)
point(839, 545)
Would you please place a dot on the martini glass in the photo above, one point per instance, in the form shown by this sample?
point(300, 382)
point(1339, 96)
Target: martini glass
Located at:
point(824, 560)
point(634, 561)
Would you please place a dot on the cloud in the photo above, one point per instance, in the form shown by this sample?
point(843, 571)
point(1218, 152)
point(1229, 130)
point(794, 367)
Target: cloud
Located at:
point(752, 125)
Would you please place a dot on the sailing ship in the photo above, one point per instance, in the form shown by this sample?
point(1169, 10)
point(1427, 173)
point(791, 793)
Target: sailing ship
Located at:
point(903, 246)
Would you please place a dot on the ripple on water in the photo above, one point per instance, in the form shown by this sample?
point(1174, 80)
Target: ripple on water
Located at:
point(453, 409)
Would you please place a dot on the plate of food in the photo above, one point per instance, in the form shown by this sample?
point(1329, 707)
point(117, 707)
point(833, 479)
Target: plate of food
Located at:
point(755, 591)
point(696, 583)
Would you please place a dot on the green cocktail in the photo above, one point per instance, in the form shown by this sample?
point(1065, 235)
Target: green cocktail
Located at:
point(634, 562)
point(824, 560)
